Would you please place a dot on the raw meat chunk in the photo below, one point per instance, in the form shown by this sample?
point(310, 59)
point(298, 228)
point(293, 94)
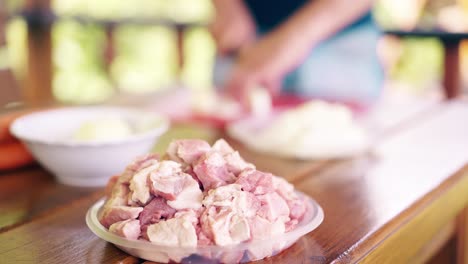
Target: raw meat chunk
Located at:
point(156, 210)
point(140, 191)
point(128, 228)
point(256, 182)
point(115, 214)
point(187, 150)
point(173, 232)
point(212, 171)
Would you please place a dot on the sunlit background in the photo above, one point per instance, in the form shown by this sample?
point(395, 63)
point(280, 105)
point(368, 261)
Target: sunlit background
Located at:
point(102, 48)
point(144, 48)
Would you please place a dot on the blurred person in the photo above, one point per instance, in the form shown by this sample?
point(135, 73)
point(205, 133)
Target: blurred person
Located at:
point(321, 48)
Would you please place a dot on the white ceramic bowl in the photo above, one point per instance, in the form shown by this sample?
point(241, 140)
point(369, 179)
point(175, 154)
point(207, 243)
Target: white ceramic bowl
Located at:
point(238, 253)
point(49, 136)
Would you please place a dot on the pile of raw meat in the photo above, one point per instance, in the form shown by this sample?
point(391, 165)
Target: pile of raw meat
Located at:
point(199, 195)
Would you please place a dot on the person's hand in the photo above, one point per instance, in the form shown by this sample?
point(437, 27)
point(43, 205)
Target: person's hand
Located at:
point(266, 62)
point(233, 26)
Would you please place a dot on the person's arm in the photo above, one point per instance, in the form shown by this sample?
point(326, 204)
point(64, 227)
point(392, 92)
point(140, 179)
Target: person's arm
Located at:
point(268, 60)
point(233, 27)
point(320, 19)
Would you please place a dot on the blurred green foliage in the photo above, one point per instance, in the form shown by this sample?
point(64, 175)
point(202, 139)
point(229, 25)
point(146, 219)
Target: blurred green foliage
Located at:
point(199, 54)
point(79, 75)
point(382, 16)
point(178, 10)
point(420, 63)
point(4, 61)
point(146, 58)
point(16, 42)
point(12, 5)
point(421, 59)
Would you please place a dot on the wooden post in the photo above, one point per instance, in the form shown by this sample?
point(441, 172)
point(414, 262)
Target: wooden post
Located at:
point(109, 49)
point(3, 17)
point(451, 79)
point(38, 84)
point(180, 49)
point(462, 237)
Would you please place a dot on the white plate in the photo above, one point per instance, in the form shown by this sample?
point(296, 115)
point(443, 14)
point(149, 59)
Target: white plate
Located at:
point(248, 131)
point(243, 252)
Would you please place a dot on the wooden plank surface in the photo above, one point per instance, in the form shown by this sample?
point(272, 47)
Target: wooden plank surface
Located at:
point(61, 236)
point(371, 203)
point(462, 237)
point(368, 199)
point(29, 192)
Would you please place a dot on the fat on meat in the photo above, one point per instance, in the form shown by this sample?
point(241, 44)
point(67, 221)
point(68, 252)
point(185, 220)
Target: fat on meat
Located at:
point(128, 228)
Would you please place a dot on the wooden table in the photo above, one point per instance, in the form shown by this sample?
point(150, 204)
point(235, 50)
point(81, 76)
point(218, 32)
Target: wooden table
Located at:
point(400, 203)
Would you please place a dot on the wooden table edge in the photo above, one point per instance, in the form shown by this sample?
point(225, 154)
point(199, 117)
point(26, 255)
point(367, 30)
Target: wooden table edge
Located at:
point(44, 214)
point(370, 248)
